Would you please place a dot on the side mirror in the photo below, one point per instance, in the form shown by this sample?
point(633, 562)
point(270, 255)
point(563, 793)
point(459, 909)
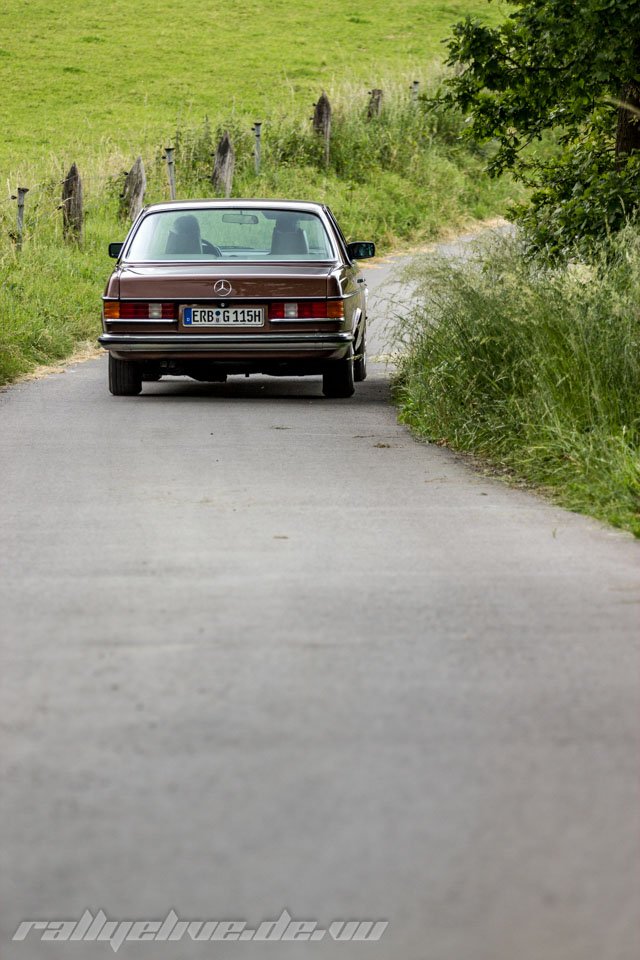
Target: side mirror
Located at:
point(361, 250)
point(115, 250)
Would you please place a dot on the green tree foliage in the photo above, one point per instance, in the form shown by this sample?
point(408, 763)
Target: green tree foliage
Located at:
point(571, 67)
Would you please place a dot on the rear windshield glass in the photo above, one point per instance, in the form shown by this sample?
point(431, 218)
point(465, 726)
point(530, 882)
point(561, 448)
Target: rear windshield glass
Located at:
point(230, 234)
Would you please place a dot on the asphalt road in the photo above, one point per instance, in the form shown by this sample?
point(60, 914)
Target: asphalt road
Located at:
point(262, 650)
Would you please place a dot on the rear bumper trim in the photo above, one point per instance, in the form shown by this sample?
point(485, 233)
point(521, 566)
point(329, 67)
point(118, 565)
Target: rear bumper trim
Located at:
point(197, 343)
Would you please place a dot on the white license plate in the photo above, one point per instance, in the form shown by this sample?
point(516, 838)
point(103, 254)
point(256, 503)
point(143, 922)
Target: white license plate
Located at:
point(223, 316)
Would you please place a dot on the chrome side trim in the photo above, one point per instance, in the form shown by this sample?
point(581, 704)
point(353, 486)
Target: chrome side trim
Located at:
point(292, 298)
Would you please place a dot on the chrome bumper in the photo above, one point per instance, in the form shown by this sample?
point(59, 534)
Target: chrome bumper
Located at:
point(247, 343)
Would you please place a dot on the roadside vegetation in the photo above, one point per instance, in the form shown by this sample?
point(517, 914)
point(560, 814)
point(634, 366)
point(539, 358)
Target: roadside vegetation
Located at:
point(533, 369)
point(530, 359)
point(402, 177)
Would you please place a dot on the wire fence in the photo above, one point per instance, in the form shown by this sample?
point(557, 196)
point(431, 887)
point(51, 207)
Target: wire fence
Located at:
point(51, 199)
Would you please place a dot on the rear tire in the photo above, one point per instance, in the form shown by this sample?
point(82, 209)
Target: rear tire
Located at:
point(360, 363)
point(125, 377)
point(337, 379)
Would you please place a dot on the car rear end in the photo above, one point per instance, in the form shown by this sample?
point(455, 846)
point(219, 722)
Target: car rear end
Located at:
point(210, 316)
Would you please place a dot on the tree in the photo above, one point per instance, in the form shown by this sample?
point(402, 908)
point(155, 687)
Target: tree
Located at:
point(567, 66)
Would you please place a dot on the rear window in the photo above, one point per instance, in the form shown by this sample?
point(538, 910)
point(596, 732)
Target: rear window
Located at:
point(231, 234)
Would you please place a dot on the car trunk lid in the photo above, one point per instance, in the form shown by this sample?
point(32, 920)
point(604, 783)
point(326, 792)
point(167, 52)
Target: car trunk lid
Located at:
point(192, 282)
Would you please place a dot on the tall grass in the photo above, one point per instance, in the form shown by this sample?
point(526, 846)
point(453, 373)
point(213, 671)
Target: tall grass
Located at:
point(400, 178)
point(537, 371)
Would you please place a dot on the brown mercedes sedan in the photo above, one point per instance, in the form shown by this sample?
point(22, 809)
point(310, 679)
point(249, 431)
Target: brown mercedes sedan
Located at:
point(208, 288)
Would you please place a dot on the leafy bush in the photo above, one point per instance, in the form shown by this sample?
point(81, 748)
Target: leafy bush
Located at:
point(570, 69)
point(579, 197)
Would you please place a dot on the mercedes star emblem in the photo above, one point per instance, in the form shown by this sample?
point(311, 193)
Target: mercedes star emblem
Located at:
point(223, 287)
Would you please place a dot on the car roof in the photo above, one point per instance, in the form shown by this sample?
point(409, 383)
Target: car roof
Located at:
point(305, 206)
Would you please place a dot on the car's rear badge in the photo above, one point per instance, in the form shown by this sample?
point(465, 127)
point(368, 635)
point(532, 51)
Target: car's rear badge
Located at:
point(222, 287)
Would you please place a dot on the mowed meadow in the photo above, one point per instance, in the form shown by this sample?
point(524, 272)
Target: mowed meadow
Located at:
point(75, 75)
point(98, 84)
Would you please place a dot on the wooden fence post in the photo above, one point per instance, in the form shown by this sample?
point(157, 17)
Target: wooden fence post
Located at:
point(72, 205)
point(132, 196)
point(415, 87)
point(322, 123)
point(168, 155)
point(374, 107)
point(20, 218)
point(224, 165)
point(257, 129)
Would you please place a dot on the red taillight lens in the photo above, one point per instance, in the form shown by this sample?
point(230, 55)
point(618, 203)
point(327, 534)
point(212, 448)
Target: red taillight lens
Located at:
point(135, 310)
point(310, 310)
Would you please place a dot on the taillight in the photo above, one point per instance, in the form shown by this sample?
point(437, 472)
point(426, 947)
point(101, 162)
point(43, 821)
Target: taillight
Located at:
point(307, 310)
point(335, 309)
point(135, 310)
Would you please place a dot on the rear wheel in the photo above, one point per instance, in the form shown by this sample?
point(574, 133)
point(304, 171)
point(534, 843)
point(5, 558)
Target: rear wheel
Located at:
point(125, 377)
point(337, 379)
point(360, 362)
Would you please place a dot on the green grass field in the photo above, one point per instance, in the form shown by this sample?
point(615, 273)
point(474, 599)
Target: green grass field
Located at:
point(75, 75)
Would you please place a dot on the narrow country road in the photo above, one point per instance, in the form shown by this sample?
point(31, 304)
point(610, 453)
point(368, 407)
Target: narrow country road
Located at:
point(262, 650)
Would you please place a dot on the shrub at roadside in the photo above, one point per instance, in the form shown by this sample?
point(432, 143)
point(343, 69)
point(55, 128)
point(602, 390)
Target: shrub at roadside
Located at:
point(570, 70)
point(534, 370)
